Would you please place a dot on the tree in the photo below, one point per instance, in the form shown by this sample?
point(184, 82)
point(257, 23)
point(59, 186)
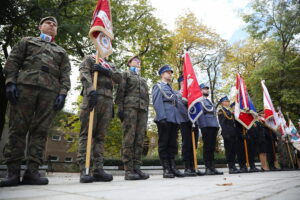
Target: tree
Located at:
point(206, 48)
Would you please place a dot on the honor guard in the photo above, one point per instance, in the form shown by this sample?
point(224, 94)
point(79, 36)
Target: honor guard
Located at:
point(209, 126)
point(37, 75)
point(165, 102)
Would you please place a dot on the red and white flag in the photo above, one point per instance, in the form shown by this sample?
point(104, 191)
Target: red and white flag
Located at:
point(270, 115)
point(244, 111)
point(101, 32)
point(191, 90)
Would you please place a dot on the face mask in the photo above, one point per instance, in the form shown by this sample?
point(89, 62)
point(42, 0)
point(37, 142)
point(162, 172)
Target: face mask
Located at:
point(206, 95)
point(46, 37)
point(135, 69)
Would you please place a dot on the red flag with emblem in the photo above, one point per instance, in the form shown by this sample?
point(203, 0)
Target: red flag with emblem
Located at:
point(101, 32)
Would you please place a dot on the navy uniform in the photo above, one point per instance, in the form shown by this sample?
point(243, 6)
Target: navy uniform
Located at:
point(186, 129)
point(252, 143)
point(229, 134)
point(209, 125)
point(165, 102)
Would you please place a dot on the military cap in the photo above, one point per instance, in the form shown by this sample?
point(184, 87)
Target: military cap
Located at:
point(180, 79)
point(165, 68)
point(202, 86)
point(51, 18)
point(131, 58)
point(224, 99)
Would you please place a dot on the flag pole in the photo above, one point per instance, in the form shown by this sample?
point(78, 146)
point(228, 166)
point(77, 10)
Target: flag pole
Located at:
point(194, 147)
point(289, 151)
point(91, 122)
point(246, 147)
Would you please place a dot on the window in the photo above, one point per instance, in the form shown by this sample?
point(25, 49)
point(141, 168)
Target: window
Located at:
point(53, 158)
point(70, 139)
point(56, 137)
point(68, 159)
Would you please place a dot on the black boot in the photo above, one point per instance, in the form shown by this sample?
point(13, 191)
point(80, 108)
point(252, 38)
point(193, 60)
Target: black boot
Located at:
point(243, 169)
point(188, 171)
point(253, 169)
point(142, 175)
point(166, 169)
point(197, 171)
point(233, 169)
point(131, 175)
point(84, 178)
point(13, 176)
point(101, 176)
point(208, 171)
point(32, 175)
point(175, 171)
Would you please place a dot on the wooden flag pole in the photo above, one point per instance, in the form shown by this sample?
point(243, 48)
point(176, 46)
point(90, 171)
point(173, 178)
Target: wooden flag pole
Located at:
point(91, 122)
point(194, 148)
point(290, 154)
point(246, 147)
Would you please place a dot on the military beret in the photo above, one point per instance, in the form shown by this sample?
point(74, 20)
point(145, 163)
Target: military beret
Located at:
point(165, 68)
point(224, 99)
point(180, 79)
point(202, 86)
point(131, 58)
point(51, 18)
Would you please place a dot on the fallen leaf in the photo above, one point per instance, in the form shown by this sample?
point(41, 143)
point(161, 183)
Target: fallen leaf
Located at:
point(225, 184)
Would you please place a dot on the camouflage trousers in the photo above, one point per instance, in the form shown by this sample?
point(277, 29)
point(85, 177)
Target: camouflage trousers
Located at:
point(102, 118)
point(32, 115)
point(134, 129)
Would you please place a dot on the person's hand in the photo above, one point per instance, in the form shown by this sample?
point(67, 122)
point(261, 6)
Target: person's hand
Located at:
point(12, 93)
point(92, 97)
point(102, 70)
point(59, 102)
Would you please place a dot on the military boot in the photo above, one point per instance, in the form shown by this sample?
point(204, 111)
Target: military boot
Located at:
point(253, 168)
point(197, 171)
point(188, 170)
point(32, 175)
point(132, 175)
point(13, 176)
point(84, 178)
point(101, 176)
point(166, 169)
point(174, 170)
point(233, 169)
point(142, 175)
point(243, 169)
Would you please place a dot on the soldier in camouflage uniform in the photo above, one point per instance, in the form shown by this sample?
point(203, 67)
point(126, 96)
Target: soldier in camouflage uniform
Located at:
point(102, 99)
point(37, 81)
point(133, 101)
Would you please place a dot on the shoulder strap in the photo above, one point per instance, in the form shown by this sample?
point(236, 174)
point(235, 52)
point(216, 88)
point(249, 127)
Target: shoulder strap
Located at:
point(163, 92)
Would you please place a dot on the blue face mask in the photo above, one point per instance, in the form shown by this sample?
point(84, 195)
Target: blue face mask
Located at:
point(135, 69)
point(46, 37)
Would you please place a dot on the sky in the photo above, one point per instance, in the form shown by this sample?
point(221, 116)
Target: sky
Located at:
point(223, 16)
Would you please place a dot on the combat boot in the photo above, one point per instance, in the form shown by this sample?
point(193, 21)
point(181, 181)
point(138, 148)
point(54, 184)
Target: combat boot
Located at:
point(32, 175)
point(188, 171)
point(84, 178)
point(174, 170)
point(197, 171)
point(13, 176)
point(101, 176)
point(166, 169)
point(233, 169)
point(142, 175)
point(244, 169)
point(131, 175)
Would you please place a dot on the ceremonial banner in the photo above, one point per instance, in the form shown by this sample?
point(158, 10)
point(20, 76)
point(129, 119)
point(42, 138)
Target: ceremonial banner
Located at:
point(292, 131)
point(191, 90)
point(244, 112)
point(101, 32)
point(270, 115)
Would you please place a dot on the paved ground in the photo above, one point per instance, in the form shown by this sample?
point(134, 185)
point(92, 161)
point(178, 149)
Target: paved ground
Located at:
point(268, 185)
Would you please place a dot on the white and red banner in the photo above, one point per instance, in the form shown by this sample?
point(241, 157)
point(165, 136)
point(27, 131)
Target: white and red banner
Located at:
point(244, 112)
point(101, 32)
point(191, 90)
point(270, 115)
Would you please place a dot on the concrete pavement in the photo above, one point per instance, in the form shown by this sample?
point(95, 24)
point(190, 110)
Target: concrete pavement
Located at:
point(264, 185)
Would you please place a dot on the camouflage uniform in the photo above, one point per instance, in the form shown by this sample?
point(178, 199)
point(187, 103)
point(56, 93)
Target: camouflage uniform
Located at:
point(133, 99)
point(41, 72)
point(103, 111)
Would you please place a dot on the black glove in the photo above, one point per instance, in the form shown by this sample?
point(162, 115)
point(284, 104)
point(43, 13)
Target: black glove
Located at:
point(102, 70)
point(12, 93)
point(59, 102)
point(92, 99)
point(121, 115)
